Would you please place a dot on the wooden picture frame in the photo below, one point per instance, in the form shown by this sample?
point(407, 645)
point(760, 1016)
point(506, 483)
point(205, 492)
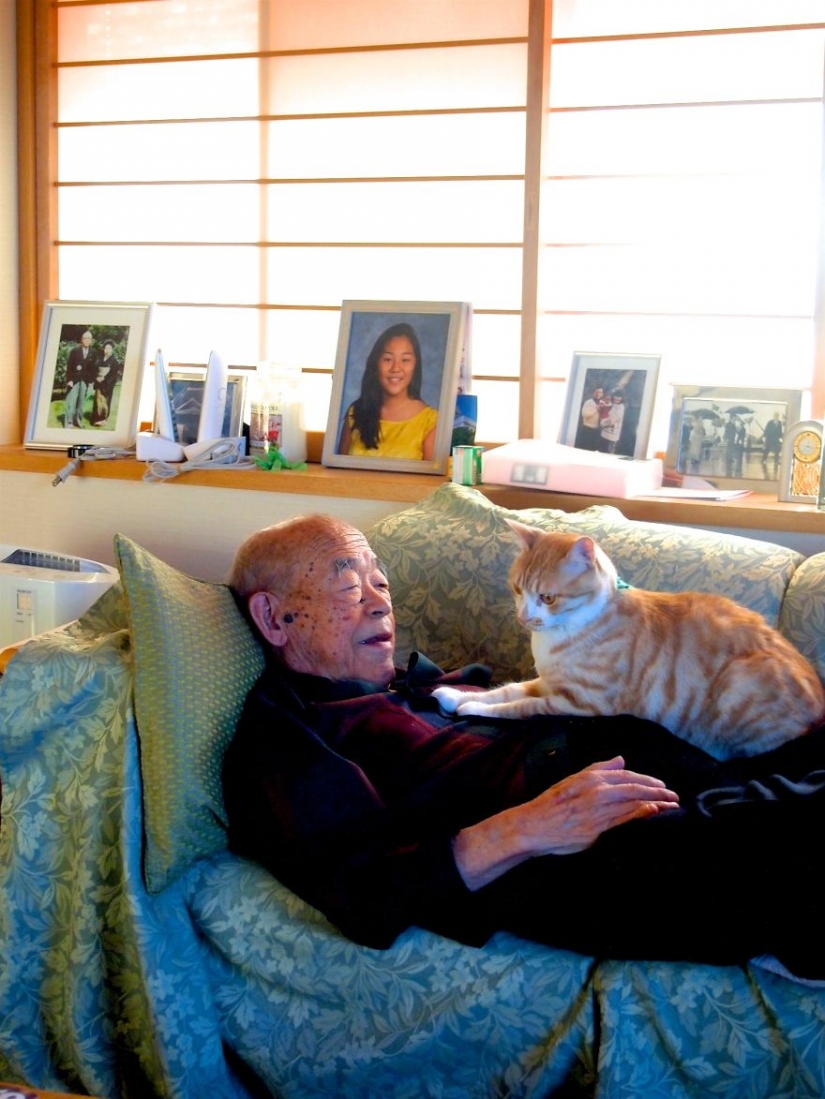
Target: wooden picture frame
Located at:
point(90, 362)
point(427, 344)
point(610, 400)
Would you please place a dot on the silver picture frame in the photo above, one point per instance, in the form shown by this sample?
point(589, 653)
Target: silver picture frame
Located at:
point(609, 405)
point(728, 435)
point(438, 330)
point(91, 359)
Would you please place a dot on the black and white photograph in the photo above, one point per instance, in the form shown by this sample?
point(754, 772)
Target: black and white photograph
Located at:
point(731, 435)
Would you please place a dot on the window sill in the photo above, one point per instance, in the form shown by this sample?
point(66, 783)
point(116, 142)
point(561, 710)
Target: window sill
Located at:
point(755, 512)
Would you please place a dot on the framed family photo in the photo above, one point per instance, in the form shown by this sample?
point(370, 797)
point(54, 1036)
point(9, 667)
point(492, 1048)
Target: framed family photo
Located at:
point(395, 385)
point(186, 388)
point(610, 403)
point(731, 435)
point(90, 362)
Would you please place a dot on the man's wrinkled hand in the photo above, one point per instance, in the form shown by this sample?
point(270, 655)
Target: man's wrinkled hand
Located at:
point(564, 819)
point(571, 815)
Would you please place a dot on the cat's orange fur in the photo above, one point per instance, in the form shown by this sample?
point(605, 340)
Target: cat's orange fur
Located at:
point(707, 669)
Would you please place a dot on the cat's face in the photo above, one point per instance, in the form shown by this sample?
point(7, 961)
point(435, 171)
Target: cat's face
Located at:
point(539, 585)
point(535, 610)
point(556, 578)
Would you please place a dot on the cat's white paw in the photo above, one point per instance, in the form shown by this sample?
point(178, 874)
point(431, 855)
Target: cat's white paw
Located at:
point(448, 698)
point(473, 707)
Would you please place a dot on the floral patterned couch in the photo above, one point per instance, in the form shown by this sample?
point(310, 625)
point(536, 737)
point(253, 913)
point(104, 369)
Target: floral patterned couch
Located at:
point(140, 958)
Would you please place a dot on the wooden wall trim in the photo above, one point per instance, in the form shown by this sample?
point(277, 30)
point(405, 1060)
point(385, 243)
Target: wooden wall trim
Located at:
point(538, 85)
point(37, 162)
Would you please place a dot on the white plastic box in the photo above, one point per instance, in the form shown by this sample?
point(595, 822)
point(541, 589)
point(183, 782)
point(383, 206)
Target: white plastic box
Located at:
point(40, 590)
point(532, 463)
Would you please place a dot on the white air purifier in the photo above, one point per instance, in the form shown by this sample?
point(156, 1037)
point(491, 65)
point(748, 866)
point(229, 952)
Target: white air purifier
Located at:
point(40, 590)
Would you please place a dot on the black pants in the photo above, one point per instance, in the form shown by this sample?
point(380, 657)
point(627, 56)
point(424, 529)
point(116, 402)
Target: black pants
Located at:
point(733, 873)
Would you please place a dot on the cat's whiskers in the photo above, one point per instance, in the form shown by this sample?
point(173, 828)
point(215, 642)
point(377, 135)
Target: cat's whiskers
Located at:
point(534, 623)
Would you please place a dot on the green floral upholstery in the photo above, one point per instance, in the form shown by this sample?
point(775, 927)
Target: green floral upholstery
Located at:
point(448, 558)
point(112, 989)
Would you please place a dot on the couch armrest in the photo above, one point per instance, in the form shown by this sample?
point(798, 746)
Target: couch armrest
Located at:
point(7, 653)
point(802, 618)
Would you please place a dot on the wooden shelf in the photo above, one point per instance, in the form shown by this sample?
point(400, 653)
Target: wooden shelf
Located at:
point(755, 512)
point(315, 480)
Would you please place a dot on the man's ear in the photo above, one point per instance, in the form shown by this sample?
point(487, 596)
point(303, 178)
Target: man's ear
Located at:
point(263, 609)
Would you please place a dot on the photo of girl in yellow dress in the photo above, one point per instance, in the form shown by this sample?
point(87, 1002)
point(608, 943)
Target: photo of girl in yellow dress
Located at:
point(389, 419)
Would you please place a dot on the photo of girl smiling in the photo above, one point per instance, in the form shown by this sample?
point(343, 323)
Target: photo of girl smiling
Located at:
point(389, 419)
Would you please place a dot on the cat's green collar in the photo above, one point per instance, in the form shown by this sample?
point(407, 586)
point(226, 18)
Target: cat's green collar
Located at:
point(622, 585)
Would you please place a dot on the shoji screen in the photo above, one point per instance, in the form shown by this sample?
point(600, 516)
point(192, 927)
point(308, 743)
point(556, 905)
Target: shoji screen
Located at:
point(250, 165)
point(684, 188)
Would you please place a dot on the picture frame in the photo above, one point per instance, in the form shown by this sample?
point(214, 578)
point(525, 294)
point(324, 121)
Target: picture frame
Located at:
point(732, 444)
point(609, 405)
point(91, 358)
point(186, 387)
point(428, 343)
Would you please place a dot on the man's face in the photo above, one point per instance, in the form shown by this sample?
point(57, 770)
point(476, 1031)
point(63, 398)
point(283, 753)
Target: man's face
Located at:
point(86, 339)
point(337, 620)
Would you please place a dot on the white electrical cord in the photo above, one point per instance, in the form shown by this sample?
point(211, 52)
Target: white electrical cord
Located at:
point(80, 454)
point(223, 452)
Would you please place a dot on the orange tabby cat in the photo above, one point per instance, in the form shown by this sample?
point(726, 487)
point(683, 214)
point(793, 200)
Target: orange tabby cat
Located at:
point(709, 670)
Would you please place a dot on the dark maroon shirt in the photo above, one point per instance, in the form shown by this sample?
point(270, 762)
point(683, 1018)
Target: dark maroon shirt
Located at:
point(352, 796)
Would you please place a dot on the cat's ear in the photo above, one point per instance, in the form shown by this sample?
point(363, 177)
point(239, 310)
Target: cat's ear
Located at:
point(526, 535)
point(583, 552)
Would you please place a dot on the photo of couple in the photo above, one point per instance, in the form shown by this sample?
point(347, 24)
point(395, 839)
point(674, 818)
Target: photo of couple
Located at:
point(87, 376)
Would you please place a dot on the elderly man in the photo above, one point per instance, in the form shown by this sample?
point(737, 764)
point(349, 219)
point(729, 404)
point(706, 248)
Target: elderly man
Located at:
point(346, 781)
point(81, 368)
